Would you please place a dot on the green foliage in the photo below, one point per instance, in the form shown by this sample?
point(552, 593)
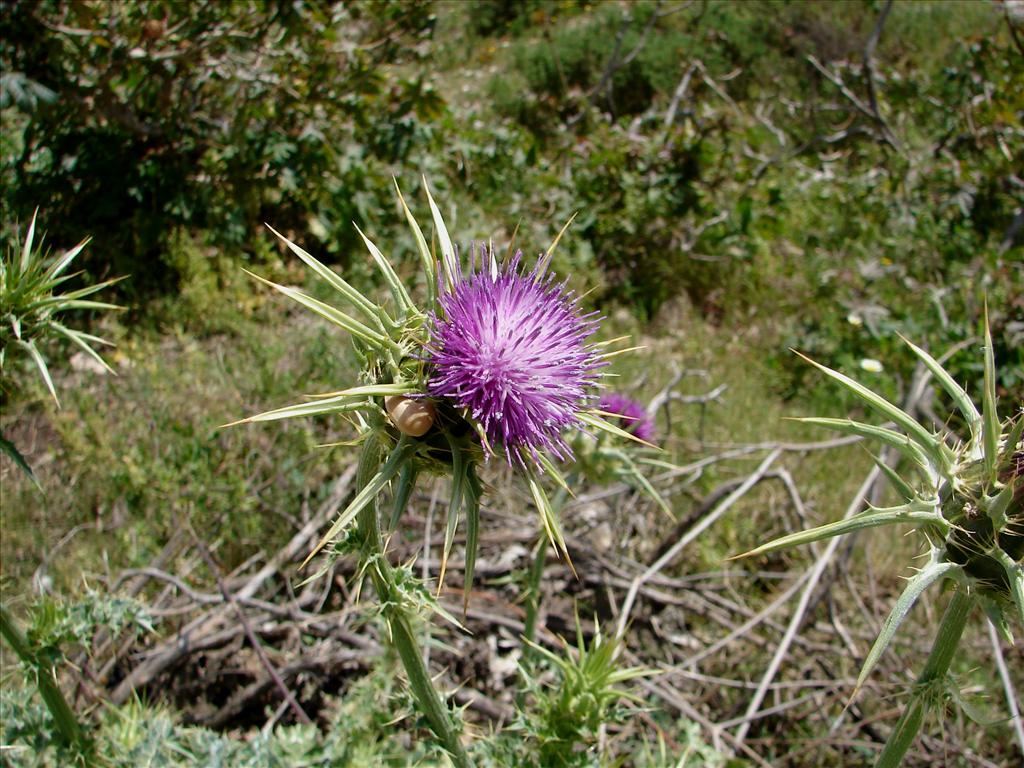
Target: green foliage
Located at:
point(496, 17)
point(755, 210)
point(360, 731)
point(58, 625)
point(166, 457)
point(562, 724)
point(134, 119)
point(574, 60)
point(30, 305)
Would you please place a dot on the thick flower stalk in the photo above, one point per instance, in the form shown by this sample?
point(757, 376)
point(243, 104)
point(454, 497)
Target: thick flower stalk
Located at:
point(497, 360)
point(966, 498)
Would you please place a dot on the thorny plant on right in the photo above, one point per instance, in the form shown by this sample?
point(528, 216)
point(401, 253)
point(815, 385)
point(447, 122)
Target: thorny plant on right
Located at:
point(966, 499)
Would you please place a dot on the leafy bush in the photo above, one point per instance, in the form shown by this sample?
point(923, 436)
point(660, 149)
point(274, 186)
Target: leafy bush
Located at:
point(133, 119)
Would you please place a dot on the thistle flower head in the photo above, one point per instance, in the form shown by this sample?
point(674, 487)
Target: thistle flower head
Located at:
point(511, 349)
point(632, 415)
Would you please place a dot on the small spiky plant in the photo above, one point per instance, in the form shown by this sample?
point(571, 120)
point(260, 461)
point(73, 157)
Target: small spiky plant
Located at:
point(966, 498)
point(30, 308)
point(570, 713)
point(30, 305)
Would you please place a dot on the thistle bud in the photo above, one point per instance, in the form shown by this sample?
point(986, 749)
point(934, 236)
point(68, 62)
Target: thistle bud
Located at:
point(412, 417)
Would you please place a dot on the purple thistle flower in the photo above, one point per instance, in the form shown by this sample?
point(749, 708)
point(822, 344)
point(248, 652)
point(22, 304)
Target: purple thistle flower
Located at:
point(511, 349)
point(633, 415)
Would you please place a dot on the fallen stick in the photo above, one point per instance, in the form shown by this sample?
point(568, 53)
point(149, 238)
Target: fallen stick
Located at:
point(182, 644)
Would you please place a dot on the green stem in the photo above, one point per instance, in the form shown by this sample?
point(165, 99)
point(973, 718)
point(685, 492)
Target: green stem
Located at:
point(935, 669)
point(532, 607)
point(63, 716)
point(400, 624)
point(540, 557)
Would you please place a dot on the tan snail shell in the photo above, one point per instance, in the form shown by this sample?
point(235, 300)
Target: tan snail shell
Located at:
point(412, 417)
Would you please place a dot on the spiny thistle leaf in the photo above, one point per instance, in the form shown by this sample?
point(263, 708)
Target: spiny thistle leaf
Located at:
point(28, 284)
point(988, 404)
point(931, 573)
point(960, 398)
point(592, 419)
point(360, 302)
point(327, 312)
point(474, 494)
point(1015, 575)
point(459, 467)
point(15, 455)
point(1013, 440)
point(406, 485)
point(370, 390)
point(548, 516)
point(924, 439)
point(338, 404)
point(449, 260)
point(401, 296)
point(901, 485)
point(997, 506)
point(401, 453)
point(997, 616)
point(914, 512)
point(889, 437)
point(632, 471)
point(82, 341)
point(26, 251)
point(41, 365)
point(62, 263)
point(426, 260)
point(545, 259)
point(554, 473)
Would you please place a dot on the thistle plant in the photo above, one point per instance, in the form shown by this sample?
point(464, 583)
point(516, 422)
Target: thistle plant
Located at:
point(30, 305)
point(497, 362)
point(29, 310)
point(630, 415)
point(584, 698)
point(965, 497)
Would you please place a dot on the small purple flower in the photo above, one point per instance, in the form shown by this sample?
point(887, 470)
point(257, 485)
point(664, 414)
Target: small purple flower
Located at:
point(633, 415)
point(512, 350)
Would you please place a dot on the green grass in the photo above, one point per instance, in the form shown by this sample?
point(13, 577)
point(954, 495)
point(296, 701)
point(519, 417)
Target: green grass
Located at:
point(134, 457)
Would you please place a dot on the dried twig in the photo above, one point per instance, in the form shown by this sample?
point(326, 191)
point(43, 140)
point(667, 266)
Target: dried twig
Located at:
point(869, 64)
point(706, 505)
point(861, 107)
point(189, 637)
point(1011, 694)
point(261, 654)
point(675, 549)
point(677, 97)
